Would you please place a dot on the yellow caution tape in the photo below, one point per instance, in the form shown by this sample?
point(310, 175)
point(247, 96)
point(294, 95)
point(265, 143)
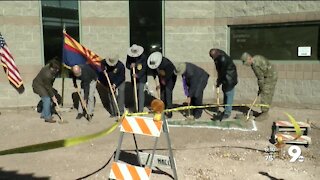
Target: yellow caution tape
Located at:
point(81, 139)
point(295, 125)
point(157, 117)
point(60, 143)
point(195, 107)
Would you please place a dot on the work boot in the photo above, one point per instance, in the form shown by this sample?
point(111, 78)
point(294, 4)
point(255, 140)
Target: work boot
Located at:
point(89, 117)
point(262, 117)
point(169, 114)
point(51, 120)
point(190, 118)
point(197, 116)
point(112, 116)
point(79, 116)
point(224, 116)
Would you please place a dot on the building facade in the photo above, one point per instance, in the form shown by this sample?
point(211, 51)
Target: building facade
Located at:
point(189, 30)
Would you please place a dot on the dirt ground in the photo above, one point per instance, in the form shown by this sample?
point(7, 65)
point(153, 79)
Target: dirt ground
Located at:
point(200, 153)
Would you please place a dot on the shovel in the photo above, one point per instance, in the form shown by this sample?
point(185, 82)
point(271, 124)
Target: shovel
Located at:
point(83, 104)
point(59, 115)
point(248, 114)
point(189, 116)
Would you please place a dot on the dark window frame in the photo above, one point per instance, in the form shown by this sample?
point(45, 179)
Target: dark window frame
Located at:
point(241, 46)
point(146, 25)
point(55, 16)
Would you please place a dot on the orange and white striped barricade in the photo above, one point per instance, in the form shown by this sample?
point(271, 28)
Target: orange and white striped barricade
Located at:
point(286, 126)
point(291, 139)
point(127, 171)
point(141, 126)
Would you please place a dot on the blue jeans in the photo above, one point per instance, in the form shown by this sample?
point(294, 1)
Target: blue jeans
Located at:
point(46, 107)
point(228, 99)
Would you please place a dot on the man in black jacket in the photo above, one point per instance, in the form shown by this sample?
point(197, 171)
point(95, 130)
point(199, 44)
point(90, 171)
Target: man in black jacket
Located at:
point(116, 73)
point(42, 85)
point(88, 79)
point(164, 69)
point(137, 59)
point(195, 80)
point(227, 76)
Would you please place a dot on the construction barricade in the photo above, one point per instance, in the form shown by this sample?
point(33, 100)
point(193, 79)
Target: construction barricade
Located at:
point(146, 126)
point(284, 131)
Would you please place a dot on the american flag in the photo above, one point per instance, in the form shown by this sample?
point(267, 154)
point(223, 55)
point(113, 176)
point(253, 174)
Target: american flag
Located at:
point(9, 65)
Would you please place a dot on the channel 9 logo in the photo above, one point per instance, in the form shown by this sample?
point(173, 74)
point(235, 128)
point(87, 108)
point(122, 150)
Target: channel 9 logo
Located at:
point(295, 153)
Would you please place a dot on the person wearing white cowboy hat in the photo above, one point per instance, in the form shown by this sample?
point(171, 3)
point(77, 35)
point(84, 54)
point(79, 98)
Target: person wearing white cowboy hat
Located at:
point(194, 80)
point(137, 59)
point(164, 69)
point(116, 72)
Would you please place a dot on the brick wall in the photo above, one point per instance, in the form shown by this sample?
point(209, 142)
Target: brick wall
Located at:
point(20, 26)
point(191, 29)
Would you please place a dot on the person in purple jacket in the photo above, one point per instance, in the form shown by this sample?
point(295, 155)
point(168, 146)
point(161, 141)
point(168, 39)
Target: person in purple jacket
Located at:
point(195, 80)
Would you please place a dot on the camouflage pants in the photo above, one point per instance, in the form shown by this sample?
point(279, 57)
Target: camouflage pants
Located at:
point(266, 94)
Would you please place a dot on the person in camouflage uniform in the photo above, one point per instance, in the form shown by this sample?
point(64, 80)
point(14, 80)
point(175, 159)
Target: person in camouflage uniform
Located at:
point(267, 80)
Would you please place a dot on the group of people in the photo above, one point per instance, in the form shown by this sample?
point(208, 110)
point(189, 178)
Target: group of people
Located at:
point(194, 79)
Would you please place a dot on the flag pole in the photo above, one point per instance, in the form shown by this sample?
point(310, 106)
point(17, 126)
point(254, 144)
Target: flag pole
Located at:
point(62, 68)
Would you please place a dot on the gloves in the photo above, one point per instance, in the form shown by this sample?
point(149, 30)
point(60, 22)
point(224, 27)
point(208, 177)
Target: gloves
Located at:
point(162, 81)
point(54, 99)
point(113, 87)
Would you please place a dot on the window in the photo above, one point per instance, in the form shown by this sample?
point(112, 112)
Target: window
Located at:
point(146, 24)
point(56, 14)
point(276, 41)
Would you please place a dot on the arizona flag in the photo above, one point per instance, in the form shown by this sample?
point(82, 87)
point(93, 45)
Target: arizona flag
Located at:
point(74, 53)
point(9, 65)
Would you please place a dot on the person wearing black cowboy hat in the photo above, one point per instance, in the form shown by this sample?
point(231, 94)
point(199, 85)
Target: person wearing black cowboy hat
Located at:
point(164, 69)
point(43, 86)
point(195, 80)
point(116, 72)
point(137, 59)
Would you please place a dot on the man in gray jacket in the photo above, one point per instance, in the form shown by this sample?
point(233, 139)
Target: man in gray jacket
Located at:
point(88, 79)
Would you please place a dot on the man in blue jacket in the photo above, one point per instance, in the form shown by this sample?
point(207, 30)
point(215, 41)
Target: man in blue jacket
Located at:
point(164, 69)
point(227, 77)
point(137, 59)
point(116, 72)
